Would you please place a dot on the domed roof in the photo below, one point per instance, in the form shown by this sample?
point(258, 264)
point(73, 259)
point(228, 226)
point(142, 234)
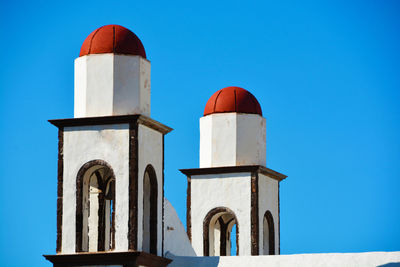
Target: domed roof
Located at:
point(112, 39)
point(232, 99)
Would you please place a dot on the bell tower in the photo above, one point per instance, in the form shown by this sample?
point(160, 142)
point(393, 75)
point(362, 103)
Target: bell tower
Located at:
point(110, 159)
point(233, 188)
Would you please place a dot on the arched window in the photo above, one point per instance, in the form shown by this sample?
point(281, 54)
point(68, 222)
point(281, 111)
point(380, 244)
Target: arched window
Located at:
point(95, 206)
point(150, 210)
point(268, 234)
point(217, 233)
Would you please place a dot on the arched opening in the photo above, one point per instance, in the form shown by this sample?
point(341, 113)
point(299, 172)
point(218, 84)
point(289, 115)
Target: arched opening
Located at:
point(95, 207)
point(220, 233)
point(233, 237)
point(268, 234)
point(150, 196)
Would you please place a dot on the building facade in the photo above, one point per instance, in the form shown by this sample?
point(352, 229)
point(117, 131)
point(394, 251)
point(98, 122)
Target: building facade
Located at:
point(111, 209)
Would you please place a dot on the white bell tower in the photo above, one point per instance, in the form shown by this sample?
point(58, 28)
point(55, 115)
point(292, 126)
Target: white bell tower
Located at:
point(111, 159)
point(233, 188)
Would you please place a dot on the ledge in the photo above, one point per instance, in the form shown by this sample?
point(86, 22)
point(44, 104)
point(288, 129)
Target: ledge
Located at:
point(104, 120)
point(232, 169)
point(128, 259)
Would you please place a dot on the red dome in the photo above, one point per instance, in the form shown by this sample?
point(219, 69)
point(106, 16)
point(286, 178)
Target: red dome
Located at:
point(112, 39)
point(232, 99)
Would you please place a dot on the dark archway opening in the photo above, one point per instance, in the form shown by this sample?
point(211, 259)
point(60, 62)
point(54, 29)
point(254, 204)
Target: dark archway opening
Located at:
point(219, 227)
point(150, 195)
point(268, 234)
point(95, 207)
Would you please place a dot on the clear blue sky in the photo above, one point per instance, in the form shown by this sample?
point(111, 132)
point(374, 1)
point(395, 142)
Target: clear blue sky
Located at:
point(326, 74)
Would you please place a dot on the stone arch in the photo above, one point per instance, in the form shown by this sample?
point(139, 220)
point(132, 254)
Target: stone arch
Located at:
point(95, 191)
point(219, 221)
point(268, 234)
point(150, 211)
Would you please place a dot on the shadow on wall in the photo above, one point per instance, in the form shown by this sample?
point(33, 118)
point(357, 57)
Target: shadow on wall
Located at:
point(179, 261)
point(391, 264)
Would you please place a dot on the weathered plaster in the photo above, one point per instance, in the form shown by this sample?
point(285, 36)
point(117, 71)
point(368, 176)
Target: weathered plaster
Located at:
point(81, 145)
point(111, 84)
point(232, 139)
point(250, 140)
point(150, 152)
point(268, 200)
point(176, 240)
point(231, 191)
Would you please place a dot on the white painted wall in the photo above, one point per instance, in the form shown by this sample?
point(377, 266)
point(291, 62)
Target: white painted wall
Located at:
point(176, 240)
point(232, 139)
point(232, 191)
point(150, 152)
point(81, 145)
point(206, 144)
point(218, 143)
point(268, 199)
point(368, 259)
point(250, 139)
point(110, 84)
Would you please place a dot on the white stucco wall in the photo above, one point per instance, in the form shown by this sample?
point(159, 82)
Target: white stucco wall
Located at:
point(110, 84)
point(81, 145)
point(232, 191)
point(218, 142)
point(250, 139)
point(368, 259)
point(232, 139)
point(150, 152)
point(206, 144)
point(176, 240)
point(268, 199)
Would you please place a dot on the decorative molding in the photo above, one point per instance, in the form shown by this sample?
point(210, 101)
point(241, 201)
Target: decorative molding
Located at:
point(127, 259)
point(162, 203)
point(235, 169)
point(133, 186)
point(60, 173)
point(106, 120)
point(155, 125)
point(254, 215)
point(188, 209)
point(279, 220)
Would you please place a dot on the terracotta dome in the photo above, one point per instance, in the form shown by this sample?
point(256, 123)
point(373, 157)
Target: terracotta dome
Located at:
point(232, 99)
point(112, 39)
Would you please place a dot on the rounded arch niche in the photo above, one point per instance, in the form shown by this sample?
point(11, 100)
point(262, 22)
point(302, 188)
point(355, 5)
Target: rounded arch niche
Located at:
point(95, 207)
point(268, 234)
point(150, 214)
point(217, 231)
